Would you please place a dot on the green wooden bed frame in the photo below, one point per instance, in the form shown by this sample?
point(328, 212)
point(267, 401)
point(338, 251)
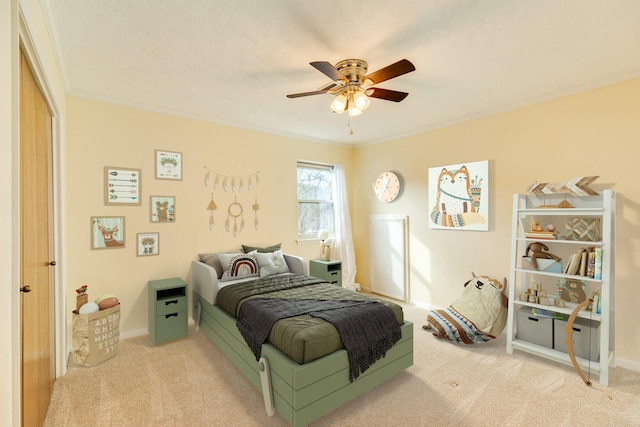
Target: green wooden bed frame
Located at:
point(301, 393)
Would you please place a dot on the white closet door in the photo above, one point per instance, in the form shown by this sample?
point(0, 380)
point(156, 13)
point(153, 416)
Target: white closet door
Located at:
point(389, 255)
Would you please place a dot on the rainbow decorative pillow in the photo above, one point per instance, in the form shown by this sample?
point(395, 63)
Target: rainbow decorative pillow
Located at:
point(238, 266)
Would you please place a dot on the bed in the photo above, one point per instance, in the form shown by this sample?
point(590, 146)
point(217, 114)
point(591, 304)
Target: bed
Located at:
point(300, 392)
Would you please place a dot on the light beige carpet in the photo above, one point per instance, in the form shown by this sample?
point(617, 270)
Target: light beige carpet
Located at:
point(190, 382)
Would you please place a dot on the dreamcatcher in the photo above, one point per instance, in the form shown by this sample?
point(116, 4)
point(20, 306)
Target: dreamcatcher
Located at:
point(235, 211)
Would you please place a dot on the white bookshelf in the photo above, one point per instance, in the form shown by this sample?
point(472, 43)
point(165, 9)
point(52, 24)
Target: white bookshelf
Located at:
point(526, 207)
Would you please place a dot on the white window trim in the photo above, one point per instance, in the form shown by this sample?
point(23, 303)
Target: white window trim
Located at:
point(310, 239)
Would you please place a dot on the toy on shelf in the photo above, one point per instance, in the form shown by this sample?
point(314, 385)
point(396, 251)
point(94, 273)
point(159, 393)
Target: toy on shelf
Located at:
point(538, 232)
point(538, 251)
point(537, 295)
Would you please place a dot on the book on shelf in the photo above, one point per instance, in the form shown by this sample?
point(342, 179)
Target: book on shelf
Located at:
point(573, 266)
point(595, 305)
point(591, 261)
point(544, 235)
point(585, 263)
point(597, 269)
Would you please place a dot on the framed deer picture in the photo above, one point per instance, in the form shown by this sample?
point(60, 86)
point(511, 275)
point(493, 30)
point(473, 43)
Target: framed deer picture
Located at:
point(107, 232)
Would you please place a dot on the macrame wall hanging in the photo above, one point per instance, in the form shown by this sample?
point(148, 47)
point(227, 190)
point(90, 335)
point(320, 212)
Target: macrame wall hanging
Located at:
point(235, 211)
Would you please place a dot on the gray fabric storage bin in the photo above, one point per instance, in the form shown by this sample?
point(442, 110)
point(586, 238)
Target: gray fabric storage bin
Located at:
point(586, 333)
point(536, 330)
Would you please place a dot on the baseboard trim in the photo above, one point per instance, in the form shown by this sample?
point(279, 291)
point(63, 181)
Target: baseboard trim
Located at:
point(627, 364)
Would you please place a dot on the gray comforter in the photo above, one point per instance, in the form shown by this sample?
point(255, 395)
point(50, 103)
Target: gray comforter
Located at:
point(367, 329)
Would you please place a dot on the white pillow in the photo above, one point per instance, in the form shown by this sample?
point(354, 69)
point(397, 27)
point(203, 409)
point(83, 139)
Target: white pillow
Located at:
point(271, 263)
point(238, 266)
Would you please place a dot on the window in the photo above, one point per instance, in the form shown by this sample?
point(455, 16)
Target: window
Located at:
point(316, 209)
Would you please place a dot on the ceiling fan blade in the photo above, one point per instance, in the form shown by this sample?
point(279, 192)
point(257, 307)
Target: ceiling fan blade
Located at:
point(386, 94)
point(394, 70)
point(320, 91)
point(298, 95)
point(329, 70)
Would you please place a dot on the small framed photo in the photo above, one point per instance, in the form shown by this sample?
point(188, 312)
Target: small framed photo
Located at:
point(123, 186)
point(107, 232)
point(163, 209)
point(168, 165)
point(148, 244)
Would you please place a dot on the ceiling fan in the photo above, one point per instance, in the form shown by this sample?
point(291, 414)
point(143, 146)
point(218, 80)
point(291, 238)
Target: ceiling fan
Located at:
point(352, 86)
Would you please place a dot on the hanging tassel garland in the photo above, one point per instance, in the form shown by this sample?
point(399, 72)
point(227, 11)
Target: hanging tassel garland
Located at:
point(256, 208)
point(211, 207)
point(235, 210)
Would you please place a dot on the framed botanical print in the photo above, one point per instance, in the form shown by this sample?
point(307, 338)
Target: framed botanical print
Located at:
point(459, 196)
point(163, 209)
point(107, 232)
point(168, 165)
point(148, 244)
point(123, 186)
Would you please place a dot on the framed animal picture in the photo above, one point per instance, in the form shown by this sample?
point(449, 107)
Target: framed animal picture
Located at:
point(148, 244)
point(107, 232)
point(571, 290)
point(459, 196)
point(163, 209)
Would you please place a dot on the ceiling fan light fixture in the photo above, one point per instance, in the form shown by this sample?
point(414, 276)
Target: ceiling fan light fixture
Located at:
point(354, 111)
point(339, 103)
point(361, 100)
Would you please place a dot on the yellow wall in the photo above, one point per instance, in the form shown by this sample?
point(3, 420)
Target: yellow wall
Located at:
point(592, 133)
point(99, 135)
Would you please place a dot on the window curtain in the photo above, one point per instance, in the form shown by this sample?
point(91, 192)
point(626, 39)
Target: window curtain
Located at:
point(343, 249)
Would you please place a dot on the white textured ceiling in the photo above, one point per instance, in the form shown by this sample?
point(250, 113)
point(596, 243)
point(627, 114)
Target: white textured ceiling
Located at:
point(234, 61)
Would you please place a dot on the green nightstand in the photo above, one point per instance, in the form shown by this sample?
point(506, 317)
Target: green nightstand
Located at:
point(167, 309)
point(331, 271)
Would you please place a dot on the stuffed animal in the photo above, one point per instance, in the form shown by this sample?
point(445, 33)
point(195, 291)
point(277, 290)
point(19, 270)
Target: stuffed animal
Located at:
point(480, 314)
point(535, 226)
point(538, 252)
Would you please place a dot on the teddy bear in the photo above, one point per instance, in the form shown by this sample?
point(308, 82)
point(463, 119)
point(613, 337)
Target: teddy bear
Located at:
point(535, 226)
point(538, 252)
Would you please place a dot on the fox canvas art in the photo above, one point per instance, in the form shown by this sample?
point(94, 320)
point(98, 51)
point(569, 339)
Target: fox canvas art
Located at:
point(459, 196)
